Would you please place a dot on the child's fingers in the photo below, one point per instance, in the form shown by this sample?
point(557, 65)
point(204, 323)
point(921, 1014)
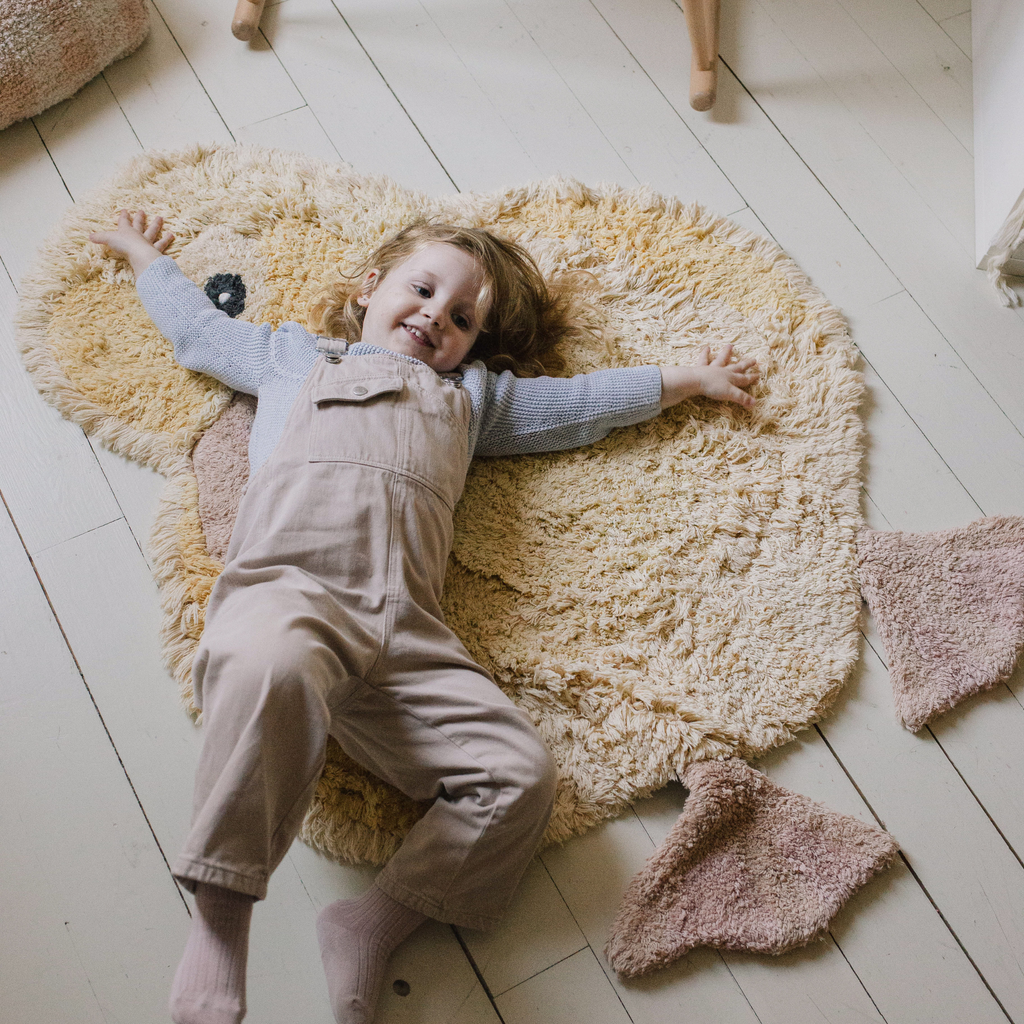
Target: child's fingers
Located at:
point(124, 220)
point(152, 232)
point(164, 241)
point(723, 357)
point(741, 398)
point(109, 238)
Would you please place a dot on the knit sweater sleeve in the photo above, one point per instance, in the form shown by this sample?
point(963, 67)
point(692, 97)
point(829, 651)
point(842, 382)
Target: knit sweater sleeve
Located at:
point(542, 414)
point(205, 338)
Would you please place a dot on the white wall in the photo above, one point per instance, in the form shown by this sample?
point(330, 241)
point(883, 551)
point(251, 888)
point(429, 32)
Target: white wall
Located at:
point(997, 33)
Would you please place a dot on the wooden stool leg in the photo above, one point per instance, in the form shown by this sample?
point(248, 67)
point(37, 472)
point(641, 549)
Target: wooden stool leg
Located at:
point(247, 19)
point(702, 21)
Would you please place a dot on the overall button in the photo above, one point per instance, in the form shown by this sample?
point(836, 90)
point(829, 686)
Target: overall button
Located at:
point(359, 390)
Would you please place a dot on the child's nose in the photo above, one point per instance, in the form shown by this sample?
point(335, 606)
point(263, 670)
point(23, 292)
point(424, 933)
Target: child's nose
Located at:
point(435, 313)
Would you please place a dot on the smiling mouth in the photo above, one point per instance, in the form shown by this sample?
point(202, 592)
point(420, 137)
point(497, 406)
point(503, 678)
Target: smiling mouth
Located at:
point(418, 336)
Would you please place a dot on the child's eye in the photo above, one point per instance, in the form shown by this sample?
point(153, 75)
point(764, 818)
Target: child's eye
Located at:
point(422, 290)
point(461, 322)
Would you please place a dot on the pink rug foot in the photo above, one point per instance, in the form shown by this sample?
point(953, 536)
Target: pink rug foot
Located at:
point(748, 865)
point(221, 462)
point(949, 607)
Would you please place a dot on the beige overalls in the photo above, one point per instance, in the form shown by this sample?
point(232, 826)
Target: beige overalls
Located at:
point(327, 619)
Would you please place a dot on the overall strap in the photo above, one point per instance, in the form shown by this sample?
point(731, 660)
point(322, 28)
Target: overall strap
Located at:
point(332, 348)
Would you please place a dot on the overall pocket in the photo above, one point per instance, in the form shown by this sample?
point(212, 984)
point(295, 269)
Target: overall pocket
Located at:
point(357, 419)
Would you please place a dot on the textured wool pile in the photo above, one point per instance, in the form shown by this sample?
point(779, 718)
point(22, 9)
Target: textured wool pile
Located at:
point(748, 865)
point(949, 607)
point(49, 49)
point(684, 589)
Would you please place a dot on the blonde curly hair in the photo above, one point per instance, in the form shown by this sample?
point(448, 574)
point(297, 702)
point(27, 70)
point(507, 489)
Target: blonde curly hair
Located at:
point(526, 317)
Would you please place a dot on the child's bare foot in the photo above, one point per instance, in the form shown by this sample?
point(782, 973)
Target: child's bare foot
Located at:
point(209, 985)
point(357, 938)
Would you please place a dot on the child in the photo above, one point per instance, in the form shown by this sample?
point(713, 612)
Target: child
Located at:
point(327, 617)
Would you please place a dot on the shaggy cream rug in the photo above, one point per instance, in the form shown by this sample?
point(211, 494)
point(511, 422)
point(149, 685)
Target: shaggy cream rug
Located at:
point(684, 589)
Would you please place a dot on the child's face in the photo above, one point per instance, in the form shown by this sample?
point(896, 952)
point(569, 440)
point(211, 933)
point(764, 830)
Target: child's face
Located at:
point(426, 306)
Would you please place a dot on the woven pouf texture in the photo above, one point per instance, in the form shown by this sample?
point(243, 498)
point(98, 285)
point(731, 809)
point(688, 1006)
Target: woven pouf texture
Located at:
point(683, 589)
point(49, 49)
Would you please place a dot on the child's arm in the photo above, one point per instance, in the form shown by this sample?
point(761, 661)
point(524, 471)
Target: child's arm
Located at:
point(205, 338)
point(551, 414)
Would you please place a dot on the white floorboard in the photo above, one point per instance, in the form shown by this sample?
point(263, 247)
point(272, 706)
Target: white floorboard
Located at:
point(573, 989)
point(913, 358)
point(161, 96)
point(843, 130)
point(49, 477)
point(949, 842)
point(958, 28)
point(298, 130)
point(760, 162)
point(612, 86)
point(93, 923)
point(82, 164)
point(245, 83)
point(924, 251)
point(349, 97)
point(940, 75)
point(890, 933)
point(538, 931)
point(34, 197)
point(592, 873)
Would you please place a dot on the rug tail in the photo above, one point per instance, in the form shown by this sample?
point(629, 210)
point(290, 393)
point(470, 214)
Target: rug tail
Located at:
point(749, 865)
point(949, 607)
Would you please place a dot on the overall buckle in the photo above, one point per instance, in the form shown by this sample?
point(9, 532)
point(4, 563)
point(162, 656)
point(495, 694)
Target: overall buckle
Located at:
point(332, 348)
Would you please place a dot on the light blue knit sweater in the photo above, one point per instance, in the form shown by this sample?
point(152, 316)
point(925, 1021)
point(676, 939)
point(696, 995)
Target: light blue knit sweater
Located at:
point(511, 415)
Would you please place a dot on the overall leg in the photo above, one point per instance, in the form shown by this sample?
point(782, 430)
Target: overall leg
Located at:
point(444, 731)
point(264, 678)
point(447, 734)
point(265, 673)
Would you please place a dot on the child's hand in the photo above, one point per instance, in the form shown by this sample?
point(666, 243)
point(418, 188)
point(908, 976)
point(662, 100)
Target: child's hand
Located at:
point(721, 377)
point(135, 239)
point(725, 376)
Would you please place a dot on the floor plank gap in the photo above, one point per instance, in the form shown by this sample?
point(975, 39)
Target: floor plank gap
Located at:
point(971, 790)
point(476, 971)
point(412, 121)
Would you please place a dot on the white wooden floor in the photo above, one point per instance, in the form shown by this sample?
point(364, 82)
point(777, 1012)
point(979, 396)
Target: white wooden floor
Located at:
point(843, 130)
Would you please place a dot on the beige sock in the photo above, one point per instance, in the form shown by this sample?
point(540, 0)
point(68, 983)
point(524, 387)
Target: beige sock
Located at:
point(209, 985)
point(357, 938)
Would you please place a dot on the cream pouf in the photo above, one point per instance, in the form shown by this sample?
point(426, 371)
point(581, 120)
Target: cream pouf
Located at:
point(49, 49)
point(684, 589)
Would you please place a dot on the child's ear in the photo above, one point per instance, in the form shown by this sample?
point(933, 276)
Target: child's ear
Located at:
point(366, 289)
